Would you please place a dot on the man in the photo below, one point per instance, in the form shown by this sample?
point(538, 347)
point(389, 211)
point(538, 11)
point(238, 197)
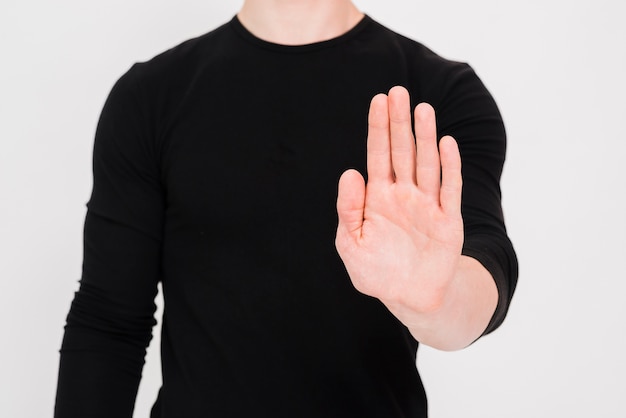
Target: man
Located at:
point(229, 166)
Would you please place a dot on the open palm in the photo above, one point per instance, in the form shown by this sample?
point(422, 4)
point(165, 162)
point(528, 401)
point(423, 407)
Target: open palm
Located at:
point(400, 236)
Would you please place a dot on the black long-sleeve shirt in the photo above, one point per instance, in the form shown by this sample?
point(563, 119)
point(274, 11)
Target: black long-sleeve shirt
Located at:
point(215, 172)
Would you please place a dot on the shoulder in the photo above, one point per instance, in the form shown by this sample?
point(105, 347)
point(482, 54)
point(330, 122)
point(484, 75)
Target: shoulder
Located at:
point(465, 108)
point(428, 75)
point(154, 90)
point(183, 60)
point(414, 51)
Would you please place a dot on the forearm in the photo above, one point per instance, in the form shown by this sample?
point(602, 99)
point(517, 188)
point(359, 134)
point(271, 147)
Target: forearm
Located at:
point(95, 378)
point(102, 355)
point(459, 313)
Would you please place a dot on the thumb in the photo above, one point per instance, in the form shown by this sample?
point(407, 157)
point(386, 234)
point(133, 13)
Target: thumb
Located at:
point(351, 203)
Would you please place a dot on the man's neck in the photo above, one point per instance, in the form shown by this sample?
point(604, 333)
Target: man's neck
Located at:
point(298, 22)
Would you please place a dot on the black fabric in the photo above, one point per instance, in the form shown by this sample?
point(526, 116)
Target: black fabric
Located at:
point(215, 172)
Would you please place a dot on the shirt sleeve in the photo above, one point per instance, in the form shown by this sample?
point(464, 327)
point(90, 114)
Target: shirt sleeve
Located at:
point(110, 321)
point(468, 112)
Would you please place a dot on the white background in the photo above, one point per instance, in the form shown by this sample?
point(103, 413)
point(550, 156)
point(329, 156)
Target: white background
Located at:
point(556, 68)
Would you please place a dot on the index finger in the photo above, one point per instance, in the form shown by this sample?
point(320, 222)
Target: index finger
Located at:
point(378, 147)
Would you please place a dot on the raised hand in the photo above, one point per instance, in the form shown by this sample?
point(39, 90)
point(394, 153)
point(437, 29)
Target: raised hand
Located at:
point(400, 236)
